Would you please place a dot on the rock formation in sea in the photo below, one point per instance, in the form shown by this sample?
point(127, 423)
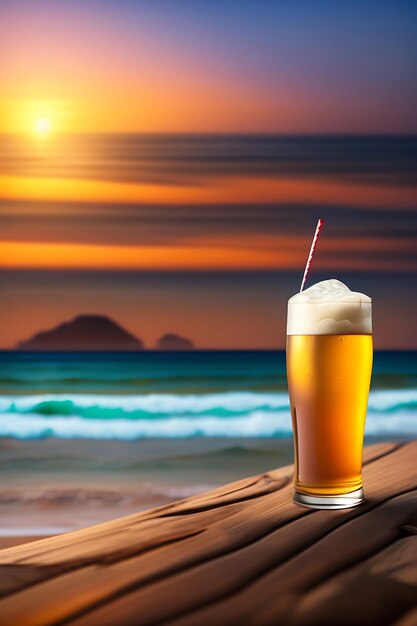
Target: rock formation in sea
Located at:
point(83, 333)
point(170, 341)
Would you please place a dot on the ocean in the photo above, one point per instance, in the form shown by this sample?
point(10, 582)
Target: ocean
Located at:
point(134, 396)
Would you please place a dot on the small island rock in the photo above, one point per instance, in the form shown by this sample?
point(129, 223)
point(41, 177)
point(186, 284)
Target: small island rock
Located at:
point(83, 333)
point(170, 341)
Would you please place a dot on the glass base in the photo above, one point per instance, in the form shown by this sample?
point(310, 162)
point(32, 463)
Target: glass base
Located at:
point(345, 501)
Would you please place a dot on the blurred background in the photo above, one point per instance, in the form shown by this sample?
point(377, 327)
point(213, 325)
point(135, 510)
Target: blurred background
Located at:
point(162, 169)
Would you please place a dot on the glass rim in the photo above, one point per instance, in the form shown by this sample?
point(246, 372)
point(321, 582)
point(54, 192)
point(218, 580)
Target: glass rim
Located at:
point(357, 302)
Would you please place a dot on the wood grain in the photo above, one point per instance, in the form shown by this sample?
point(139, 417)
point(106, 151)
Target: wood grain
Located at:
point(239, 554)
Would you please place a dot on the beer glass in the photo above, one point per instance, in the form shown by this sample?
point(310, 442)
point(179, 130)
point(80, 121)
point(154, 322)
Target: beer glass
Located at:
point(329, 364)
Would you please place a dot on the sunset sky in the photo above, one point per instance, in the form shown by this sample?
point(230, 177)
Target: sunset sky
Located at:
point(165, 163)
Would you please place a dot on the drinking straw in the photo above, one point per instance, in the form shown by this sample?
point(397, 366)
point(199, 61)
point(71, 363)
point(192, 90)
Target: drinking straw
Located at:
point(310, 256)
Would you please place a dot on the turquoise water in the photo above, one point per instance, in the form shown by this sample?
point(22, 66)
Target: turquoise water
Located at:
point(154, 394)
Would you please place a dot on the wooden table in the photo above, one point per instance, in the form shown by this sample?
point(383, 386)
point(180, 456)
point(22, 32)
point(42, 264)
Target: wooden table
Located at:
point(241, 554)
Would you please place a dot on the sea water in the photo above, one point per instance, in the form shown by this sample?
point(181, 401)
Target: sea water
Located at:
point(130, 396)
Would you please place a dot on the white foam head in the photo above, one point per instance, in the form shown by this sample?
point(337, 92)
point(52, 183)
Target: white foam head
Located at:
point(329, 308)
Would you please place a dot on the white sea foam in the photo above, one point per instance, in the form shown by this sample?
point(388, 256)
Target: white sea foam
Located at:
point(153, 403)
point(255, 424)
point(329, 308)
point(233, 414)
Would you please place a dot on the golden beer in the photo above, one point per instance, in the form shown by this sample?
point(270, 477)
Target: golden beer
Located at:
point(329, 365)
point(328, 379)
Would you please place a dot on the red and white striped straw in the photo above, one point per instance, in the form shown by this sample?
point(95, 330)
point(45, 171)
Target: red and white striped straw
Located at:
point(310, 256)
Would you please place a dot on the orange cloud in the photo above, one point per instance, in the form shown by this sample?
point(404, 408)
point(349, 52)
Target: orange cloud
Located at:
point(254, 253)
point(224, 189)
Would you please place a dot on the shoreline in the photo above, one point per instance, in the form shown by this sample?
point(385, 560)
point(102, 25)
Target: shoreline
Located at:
point(64, 485)
point(59, 485)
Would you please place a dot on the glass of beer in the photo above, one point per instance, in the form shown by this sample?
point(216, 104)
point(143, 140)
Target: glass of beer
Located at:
point(329, 364)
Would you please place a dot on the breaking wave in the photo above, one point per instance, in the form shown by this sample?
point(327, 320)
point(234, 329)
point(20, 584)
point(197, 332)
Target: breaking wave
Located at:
point(229, 414)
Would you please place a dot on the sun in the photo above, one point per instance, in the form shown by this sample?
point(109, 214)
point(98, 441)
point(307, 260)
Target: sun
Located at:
point(42, 126)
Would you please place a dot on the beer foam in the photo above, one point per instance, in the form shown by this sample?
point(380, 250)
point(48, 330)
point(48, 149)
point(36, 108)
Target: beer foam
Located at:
point(329, 308)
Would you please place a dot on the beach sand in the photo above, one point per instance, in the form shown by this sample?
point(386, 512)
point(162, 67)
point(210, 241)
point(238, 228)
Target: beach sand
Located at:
point(51, 486)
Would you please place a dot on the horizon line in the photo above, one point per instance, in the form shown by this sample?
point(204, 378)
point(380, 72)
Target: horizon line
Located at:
point(195, 349)
point(219, 133)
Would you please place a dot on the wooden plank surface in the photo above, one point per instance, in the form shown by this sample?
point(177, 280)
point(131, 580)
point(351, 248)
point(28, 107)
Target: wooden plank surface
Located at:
point(240, 554)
